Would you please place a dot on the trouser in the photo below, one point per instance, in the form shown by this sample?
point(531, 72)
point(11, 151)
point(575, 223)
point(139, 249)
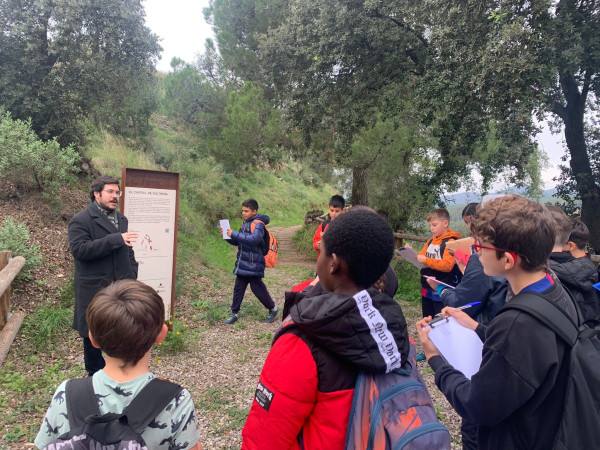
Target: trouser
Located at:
point(469, 435)
point(92, 357)
point(430, 308)
point(258, 288)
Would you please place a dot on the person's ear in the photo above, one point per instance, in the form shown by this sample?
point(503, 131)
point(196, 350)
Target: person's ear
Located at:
point(569, 246)
point(335, 264)
point(162, 335)
point(509, 261)
point(92, 340)
point(96, 195)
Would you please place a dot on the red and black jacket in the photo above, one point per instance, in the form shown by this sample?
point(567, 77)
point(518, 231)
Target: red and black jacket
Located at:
point(305, 390)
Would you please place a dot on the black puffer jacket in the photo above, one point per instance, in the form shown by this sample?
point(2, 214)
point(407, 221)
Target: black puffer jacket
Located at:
point(579, 276)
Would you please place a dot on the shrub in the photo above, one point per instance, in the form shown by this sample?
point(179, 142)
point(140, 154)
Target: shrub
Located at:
point(14, 237)
point(31, 164)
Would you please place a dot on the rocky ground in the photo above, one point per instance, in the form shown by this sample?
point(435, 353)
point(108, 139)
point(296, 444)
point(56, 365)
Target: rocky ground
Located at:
point(218, 364)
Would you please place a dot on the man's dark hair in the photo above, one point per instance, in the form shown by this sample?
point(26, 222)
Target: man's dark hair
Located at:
point(580, 234)
point(365, 241)
point(251, 203)
point(562, 227)
point(469, 210)
point(125, 319)
point(337, 201)
point(99, 183)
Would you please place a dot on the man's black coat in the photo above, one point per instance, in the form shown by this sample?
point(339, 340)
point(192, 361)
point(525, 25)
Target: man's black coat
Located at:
point(101, 257)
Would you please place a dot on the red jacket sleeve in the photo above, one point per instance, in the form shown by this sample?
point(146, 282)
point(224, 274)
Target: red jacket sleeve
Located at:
point(288, 392)
point(317, 238)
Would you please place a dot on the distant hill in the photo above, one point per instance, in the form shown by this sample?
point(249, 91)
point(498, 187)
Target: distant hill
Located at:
point(462, 198)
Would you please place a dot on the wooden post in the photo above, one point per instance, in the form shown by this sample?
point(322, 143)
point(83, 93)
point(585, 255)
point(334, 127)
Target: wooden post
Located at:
point(4, 297)
point(399, 240)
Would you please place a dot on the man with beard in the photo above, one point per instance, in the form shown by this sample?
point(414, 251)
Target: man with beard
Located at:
point(102, 249)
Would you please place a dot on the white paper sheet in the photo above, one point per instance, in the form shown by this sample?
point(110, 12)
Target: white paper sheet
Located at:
point(460, 346)
point(225, 226)
point(410, 256)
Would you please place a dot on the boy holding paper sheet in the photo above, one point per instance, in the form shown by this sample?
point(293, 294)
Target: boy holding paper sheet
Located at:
point(250, 261)
point(517, 396)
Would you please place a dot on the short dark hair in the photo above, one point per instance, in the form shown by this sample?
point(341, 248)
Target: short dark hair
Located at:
point(337, 201)
point(580, 234)
point(562, 227)
point(440, 214)
point(516, 224)
point(125, 319)
point(365, 241)
point(251, 203)
point(99, 183)
point(469, 210)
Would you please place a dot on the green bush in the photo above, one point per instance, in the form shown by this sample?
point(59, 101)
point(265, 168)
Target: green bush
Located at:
point(31, 164)
point(14, 237)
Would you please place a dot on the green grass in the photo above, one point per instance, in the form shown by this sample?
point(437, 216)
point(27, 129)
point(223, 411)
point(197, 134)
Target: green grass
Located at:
point(46, 325)
point(25, 394)
point(409, 282)
point(303, 240)
point(219, 399)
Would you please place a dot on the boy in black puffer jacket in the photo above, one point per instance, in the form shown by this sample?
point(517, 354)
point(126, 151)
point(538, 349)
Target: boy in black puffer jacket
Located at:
point(250, 261)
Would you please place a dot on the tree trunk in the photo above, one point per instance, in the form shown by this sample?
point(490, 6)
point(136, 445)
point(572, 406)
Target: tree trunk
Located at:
point(359, 185)
point(588, 191)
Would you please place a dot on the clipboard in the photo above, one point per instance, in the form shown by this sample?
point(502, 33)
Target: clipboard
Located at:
point(460, 346)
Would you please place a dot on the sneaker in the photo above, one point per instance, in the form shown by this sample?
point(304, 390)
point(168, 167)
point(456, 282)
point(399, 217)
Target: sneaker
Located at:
point(420, 356)
point(231, 319)
point(272, 314)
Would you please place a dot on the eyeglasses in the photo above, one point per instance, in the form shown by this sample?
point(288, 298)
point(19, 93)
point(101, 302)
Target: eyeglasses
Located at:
point(111, 192)
point(478, 247)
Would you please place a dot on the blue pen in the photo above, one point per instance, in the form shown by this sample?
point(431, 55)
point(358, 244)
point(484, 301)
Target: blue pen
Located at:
point(460, 308)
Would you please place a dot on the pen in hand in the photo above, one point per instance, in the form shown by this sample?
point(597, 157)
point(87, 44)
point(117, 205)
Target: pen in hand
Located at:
point(460, 308)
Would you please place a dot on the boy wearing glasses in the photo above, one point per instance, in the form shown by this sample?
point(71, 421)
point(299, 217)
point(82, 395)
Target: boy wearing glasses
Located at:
point(517, 396)
point(102, 249)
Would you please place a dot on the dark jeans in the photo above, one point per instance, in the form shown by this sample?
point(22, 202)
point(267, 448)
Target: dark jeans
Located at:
point(92, 357)
point(469, 435)
point(258, 288)
point(430, 308)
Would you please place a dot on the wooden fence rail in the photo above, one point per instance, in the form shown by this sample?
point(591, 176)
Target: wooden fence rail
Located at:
point(9, 327)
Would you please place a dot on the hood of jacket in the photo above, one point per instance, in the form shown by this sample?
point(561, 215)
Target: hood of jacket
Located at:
point(573, 271)
point(448, 234)
point(261, 217)
point(367, 330)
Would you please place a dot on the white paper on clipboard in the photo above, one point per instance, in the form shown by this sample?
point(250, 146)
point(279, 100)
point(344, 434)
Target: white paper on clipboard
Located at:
point(460, 346)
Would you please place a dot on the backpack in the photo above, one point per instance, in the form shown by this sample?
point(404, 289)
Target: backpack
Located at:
point(580, 422)
point(91, 430)
point(394, 411)
point(270, 247)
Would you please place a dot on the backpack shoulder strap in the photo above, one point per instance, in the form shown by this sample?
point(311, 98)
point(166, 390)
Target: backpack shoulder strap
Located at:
point(547, 313)
point(81, 401)
point(149, 402)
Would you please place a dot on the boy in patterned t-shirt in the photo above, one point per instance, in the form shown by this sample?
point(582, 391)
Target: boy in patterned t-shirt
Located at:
point(125, 319)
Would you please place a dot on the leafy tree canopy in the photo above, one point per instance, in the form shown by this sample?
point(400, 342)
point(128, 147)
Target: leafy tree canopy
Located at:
point(64, 60)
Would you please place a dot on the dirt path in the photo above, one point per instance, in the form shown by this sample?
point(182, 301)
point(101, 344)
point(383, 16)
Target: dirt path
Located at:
point(287, 255)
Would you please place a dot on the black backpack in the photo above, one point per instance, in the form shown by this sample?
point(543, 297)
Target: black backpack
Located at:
point(90, 430)
point(580, 423)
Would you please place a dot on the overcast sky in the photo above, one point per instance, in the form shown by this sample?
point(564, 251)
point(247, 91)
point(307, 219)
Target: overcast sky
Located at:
point(180, 25)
